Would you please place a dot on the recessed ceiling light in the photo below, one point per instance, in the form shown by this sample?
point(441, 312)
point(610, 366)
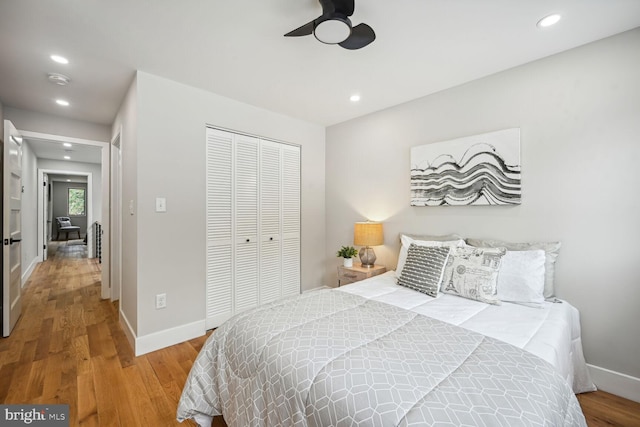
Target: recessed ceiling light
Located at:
point(62, 102)
point(68, 180)
point(67, 157)
point(66, 144)
point(354, 98)
point(59, 59)
point(548, 21)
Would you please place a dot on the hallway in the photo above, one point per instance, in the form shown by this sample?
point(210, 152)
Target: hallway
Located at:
point(68, 347)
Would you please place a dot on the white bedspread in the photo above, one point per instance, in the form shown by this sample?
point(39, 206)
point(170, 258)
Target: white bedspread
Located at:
point(551, 332)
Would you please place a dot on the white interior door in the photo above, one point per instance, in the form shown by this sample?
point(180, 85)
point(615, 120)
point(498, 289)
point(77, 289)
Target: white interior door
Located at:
point(246, 283)
point(45, 213)
point(220, 277)
point(116, 221)
point(291, 215)
point(12, 228)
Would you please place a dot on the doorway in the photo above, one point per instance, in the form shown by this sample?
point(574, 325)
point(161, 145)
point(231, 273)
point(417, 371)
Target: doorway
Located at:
point(54, 201)
point(103, 213)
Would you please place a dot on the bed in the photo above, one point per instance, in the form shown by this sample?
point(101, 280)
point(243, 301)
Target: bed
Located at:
point(374, 353)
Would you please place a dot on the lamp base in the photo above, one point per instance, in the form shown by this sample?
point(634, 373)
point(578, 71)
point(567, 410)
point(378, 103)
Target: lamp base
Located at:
point(367, 257)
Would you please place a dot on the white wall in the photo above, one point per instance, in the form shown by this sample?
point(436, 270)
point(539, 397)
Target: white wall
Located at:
point(1, 121)
point(127, 120)
point(171, 120)
point(45, 123)
point(29, 213)
point(579, 114)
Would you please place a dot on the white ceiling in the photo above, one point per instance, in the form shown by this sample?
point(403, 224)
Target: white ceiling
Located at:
point(237, 49)
point(54, 150)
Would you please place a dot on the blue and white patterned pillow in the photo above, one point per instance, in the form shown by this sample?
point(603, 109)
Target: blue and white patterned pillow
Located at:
point(424, 268)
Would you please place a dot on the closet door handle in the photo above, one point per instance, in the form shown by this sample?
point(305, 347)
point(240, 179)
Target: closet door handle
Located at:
point(248, 240)
point(270, 238)
point(12, 241)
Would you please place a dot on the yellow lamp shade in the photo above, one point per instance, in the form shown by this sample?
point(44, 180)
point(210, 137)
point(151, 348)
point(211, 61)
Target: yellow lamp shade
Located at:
point(368, 234)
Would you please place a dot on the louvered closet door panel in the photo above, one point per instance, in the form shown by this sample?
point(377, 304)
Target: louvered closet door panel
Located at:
point(290, 189)
point(269, 188)
point(219, 286)
point(290, 220)
point(219, 185)
point(246, 186)
point(270, 277)
point(246, 223)
point(270, 198)
point(290, 266)
point(219, 293)
point(246, 276)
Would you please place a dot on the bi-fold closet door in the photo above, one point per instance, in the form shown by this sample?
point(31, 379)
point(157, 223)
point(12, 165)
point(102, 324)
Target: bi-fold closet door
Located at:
point(253, 223)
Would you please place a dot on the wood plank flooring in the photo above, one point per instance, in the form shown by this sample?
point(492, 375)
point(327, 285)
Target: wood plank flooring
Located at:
point(68, 347)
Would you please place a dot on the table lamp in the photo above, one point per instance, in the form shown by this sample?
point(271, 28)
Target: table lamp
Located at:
point(367, 234)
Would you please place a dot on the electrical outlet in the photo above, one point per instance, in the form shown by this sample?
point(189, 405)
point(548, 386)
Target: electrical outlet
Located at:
point(161, 301)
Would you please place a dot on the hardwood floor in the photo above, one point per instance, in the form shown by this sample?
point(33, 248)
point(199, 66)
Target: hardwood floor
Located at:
point(604, 409)
point(68, 347)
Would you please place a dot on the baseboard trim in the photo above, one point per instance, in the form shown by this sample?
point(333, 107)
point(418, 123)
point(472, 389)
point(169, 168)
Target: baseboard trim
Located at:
point(316, 289)
point(128, 330)
point(616, 383)
point(27, 273)
point(157, 340)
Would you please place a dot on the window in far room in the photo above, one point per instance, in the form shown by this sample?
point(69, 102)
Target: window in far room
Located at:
point(77, 202)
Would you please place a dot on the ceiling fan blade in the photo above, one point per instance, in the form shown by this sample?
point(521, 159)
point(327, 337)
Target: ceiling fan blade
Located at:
point(361, 35)
point(305, 30)
point(345, 7)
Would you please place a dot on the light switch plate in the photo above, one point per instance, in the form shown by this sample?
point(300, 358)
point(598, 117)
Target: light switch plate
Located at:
point(161, 204)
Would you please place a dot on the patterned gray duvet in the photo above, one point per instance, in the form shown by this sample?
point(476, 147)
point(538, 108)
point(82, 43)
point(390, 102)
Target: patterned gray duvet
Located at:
point(328, 358)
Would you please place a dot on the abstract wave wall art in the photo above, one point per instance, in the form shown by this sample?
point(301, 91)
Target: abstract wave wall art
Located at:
point(475, 170)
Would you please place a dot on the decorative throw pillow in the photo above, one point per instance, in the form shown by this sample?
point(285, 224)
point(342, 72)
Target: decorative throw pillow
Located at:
point(407, 240)
point(423, 269)
point(473, 273)
point(65, 224)
point(521, 277)
point(551, 250)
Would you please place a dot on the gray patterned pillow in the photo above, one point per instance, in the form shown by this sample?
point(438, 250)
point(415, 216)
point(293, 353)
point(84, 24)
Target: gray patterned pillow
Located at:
point(473, 273)
point(423, 269)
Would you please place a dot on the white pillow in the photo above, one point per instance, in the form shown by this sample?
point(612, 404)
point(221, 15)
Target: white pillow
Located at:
point(407, 241)
point(551, 249)
point(521, 277)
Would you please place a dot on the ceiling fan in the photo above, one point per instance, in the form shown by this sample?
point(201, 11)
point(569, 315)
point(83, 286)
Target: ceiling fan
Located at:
point(334, 26)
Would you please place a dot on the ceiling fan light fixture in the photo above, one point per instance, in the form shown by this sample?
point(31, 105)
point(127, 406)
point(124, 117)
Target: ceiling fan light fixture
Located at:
point(59, 79)
point(332, 31)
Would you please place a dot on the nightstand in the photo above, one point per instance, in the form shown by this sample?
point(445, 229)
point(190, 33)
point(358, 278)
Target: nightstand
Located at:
point(353, 274)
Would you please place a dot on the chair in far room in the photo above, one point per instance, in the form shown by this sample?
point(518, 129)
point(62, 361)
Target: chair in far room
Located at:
point(64, 225)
